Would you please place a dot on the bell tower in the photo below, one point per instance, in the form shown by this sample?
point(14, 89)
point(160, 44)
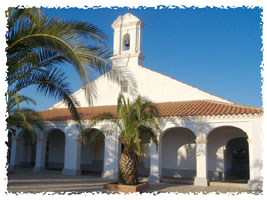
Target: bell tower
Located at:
point(127, 47)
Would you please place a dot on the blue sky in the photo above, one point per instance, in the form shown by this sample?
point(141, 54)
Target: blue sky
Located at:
point(216, 50)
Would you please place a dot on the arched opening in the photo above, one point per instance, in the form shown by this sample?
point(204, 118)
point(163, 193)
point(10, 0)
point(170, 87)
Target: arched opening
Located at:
point(237, 160)
point(26, 150)
point(126, 42)
point(92, 152)
point(178, 154)
point(55, 150)
point(225, 147)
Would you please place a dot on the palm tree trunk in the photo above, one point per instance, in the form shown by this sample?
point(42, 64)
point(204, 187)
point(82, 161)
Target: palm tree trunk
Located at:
point(128, 168)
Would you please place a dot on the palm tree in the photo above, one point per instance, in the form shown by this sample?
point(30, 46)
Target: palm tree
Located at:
point(38, 45)
point(24, 118)
point(132, 120)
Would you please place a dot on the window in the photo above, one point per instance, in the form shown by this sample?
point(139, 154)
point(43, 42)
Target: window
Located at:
point(124, 86)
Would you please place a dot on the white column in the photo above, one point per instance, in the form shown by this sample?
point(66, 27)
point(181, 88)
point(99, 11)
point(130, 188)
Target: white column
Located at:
point(255, 145)
point(14, 154)
point(111, 157)
point(117, 157)
point(201, 162)
point(255, 166)
point(72, 160)
point(155, 162)
point(40, 155)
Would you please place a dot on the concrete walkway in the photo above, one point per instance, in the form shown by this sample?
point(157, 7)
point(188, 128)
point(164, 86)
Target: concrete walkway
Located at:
point(27, 181)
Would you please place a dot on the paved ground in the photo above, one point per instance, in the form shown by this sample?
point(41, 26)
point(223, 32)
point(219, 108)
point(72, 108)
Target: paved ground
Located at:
point(31, 182)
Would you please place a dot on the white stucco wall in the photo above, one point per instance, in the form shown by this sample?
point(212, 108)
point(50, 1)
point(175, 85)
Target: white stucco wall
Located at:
point(151, 85)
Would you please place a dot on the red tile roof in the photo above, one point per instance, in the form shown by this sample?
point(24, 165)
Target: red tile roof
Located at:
point(168, 109)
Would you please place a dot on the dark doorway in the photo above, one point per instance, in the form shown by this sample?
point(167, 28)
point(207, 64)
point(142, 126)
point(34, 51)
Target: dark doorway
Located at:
point(237, 160)
point(55, 151)
point(27, 151)
point(92, 152)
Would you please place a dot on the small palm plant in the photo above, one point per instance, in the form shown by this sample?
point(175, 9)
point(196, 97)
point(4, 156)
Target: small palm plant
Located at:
point(24, 118)
point(132, 120)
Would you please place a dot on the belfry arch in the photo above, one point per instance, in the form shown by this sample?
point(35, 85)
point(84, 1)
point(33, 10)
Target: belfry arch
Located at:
point(126, 42)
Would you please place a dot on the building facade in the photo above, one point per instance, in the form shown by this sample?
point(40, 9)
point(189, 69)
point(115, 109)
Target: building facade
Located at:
point(205, 137)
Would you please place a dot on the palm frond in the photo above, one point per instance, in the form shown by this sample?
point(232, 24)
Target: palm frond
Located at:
point(88, 30)
point(15, 14)
point(52, 83)
point(133, 121)
point(38, 43)
point(14, 99)
point(91, 137)
point(24, 118)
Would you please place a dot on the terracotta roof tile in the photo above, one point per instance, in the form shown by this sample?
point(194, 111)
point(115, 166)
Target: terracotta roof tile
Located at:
point(166, 109)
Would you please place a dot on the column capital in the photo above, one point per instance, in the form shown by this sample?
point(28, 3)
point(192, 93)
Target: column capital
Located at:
point(249, 140)
point(41, 139)
point(159, 141)
point(159, 137)
point(200, 128)
point(78, 140)
point(201, 141)
point(16, 139)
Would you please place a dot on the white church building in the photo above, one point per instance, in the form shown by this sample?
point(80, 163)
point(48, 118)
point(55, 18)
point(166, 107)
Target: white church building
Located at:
point(205, 137)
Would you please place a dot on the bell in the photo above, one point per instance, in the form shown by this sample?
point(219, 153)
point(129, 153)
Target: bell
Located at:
point(127, 42)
